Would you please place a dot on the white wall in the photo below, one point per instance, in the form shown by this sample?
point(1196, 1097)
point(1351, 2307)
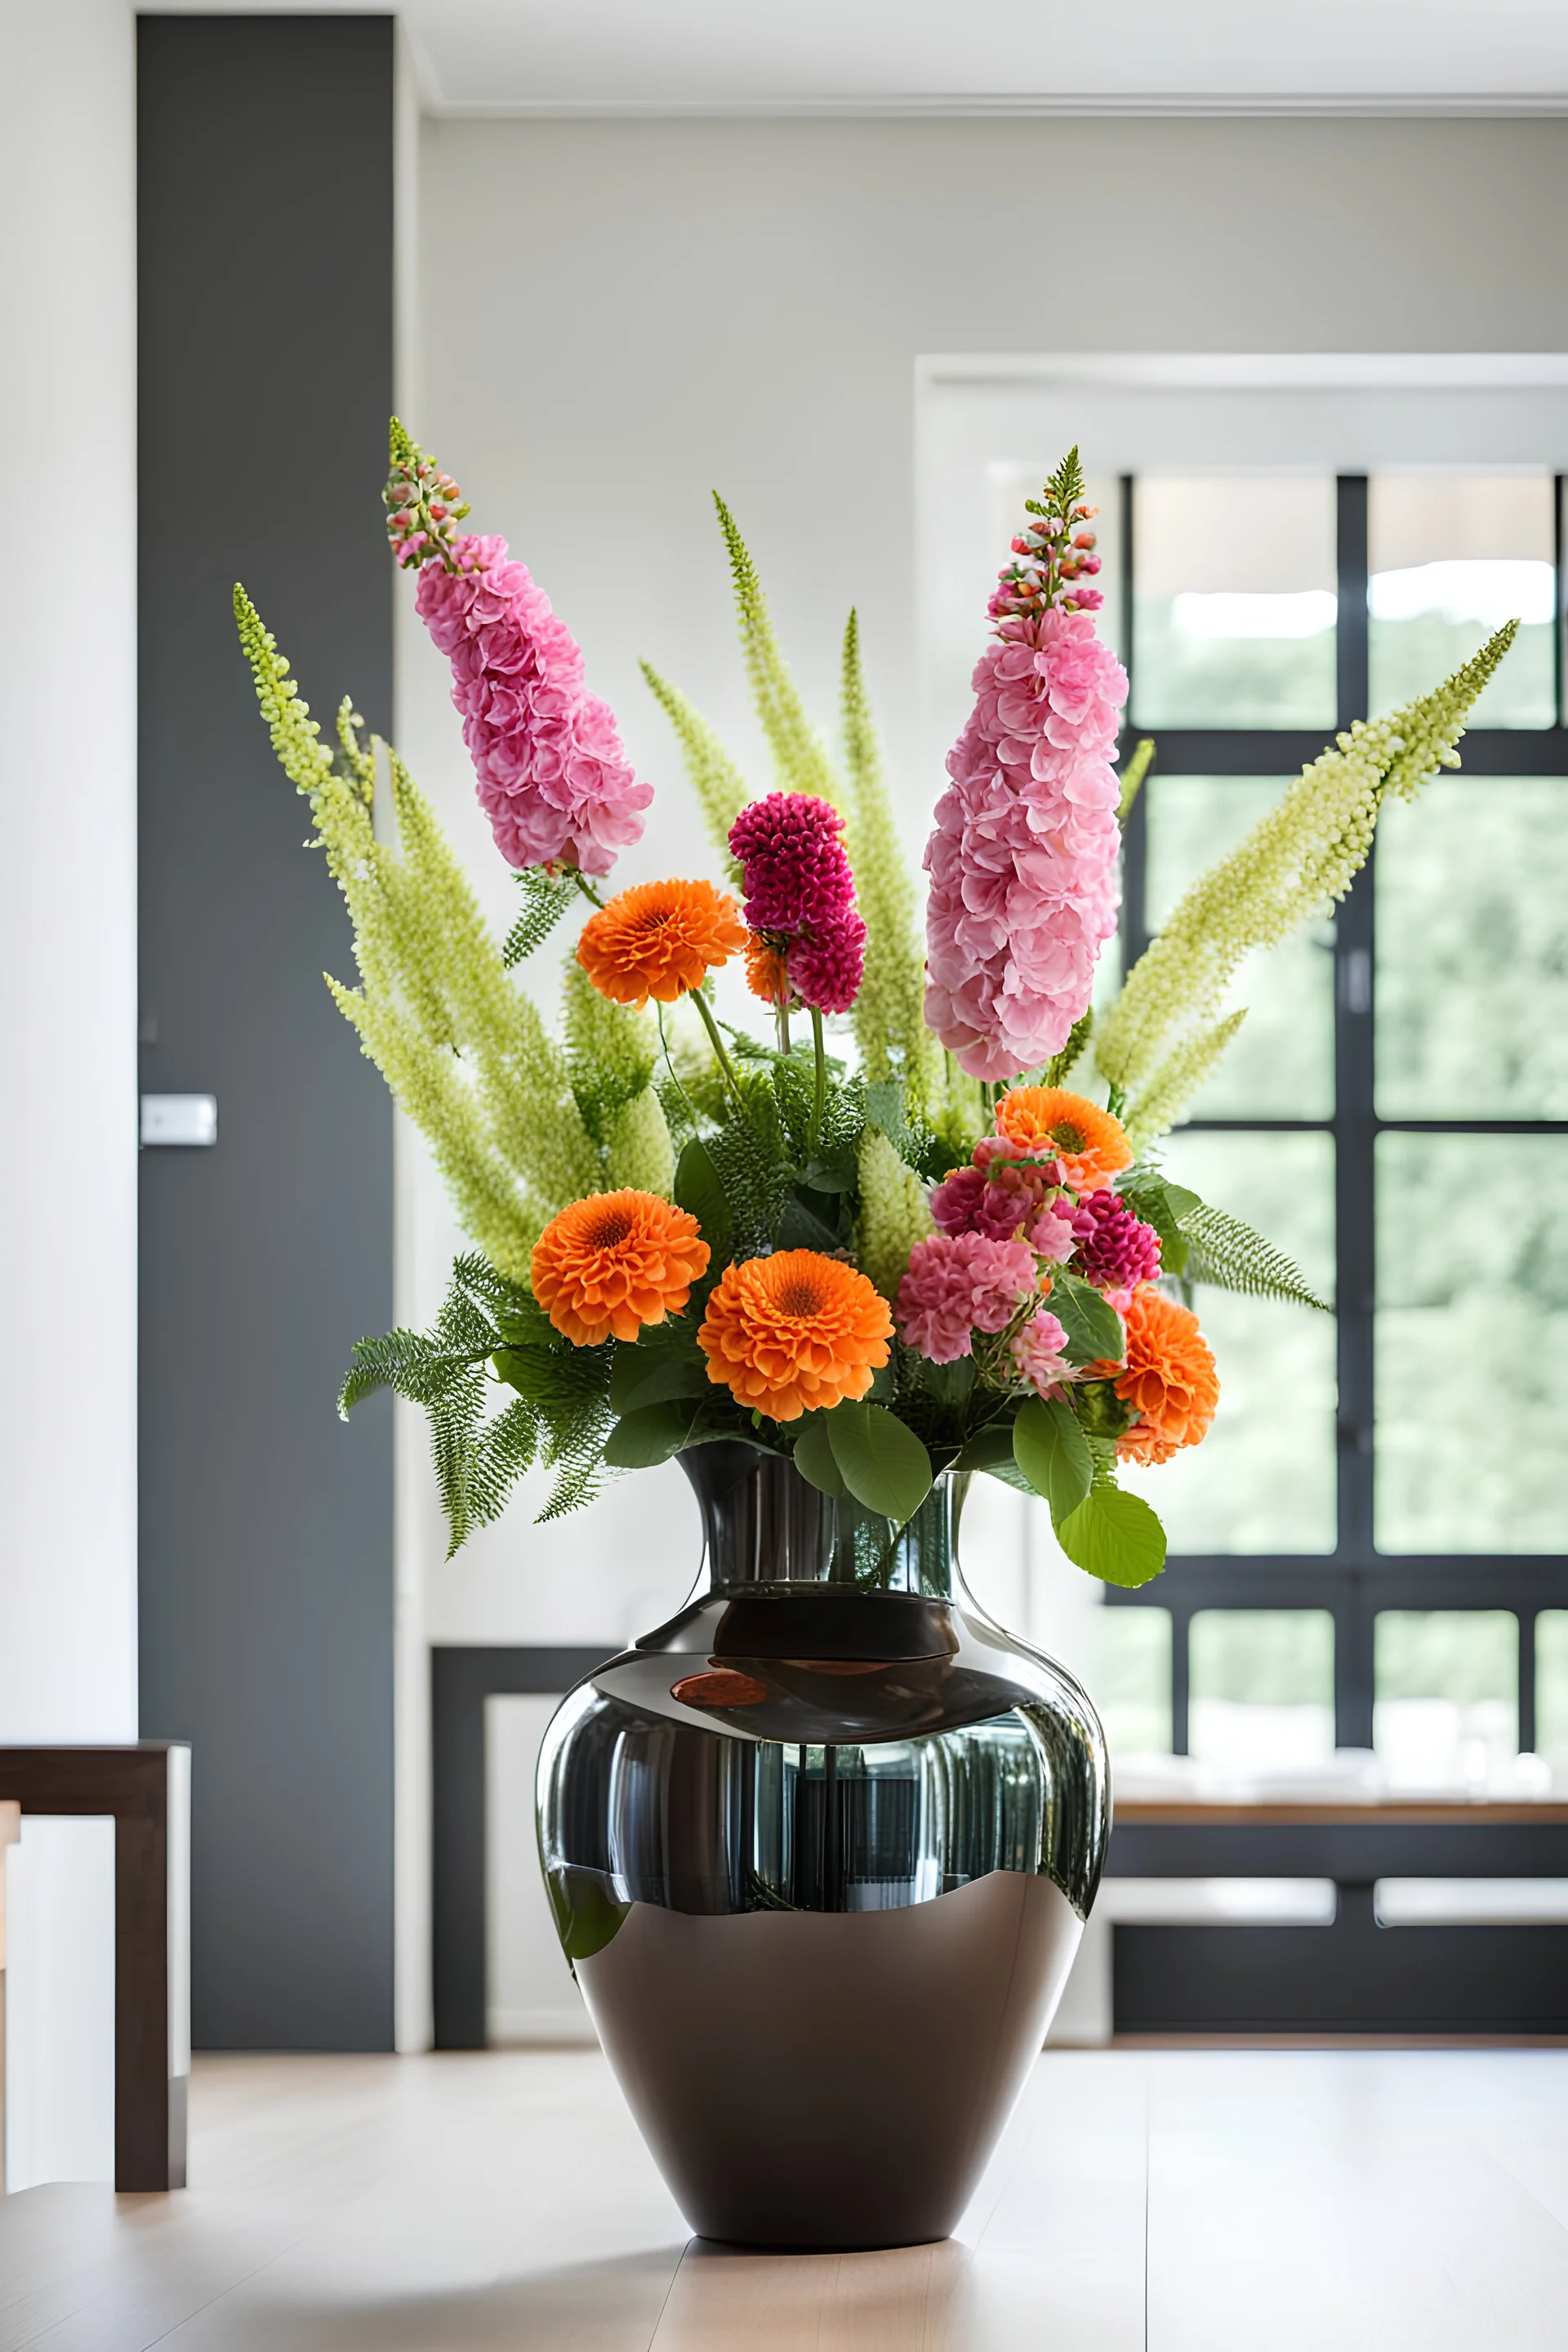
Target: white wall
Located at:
point(616, 318)
point(68, 879)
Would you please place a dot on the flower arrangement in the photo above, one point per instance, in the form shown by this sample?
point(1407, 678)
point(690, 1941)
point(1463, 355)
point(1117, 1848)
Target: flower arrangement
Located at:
point(903, 1247)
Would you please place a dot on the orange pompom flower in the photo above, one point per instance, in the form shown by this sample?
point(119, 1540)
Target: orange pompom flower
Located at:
point(794, 1333)
point(1170, 1379)
point(766, 974)
point(1092, 1146)
point(659, 939)
point(615, 1262)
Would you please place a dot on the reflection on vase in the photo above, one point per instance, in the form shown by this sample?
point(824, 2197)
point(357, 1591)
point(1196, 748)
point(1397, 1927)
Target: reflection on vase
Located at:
point(820, 1851)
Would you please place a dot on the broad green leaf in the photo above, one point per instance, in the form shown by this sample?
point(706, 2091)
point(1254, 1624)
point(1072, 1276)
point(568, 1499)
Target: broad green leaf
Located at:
point(651, 1434)
point(643, 1375)
point(880, 1460)
point(1052, 1451)
point(813, 1458)
point(800, 1228)
point(948, 1382)
point(699, 1190)
point(1113, 1536)
point(1093, 1328)
point(531, 1371)
point(1164, 1205)
point(988, 1449)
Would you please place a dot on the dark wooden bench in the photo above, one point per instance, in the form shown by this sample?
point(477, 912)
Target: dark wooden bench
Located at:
point(145, 1787)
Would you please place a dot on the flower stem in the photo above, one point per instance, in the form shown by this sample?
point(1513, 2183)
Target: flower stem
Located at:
point(575, 874)
point(781, 1017)
point(673, 1072)
point(726, 1064)
point(819, 1094)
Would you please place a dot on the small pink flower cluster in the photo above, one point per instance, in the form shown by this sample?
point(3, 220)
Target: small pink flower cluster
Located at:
point(958, 1283)
point(1024, 892)
point(552, 777)
point(1002, 1192)
point(1005, 1221)
point(800, 894)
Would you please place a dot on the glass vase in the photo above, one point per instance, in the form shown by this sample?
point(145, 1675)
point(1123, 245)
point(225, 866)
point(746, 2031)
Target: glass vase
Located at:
point(820, 1851)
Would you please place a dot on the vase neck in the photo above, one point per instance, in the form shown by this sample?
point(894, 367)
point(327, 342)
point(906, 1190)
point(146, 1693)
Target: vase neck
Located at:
point(764, 1525)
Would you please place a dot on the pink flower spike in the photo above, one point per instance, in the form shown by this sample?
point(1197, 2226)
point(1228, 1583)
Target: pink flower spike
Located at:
point(1022, 860)
point(552, 777)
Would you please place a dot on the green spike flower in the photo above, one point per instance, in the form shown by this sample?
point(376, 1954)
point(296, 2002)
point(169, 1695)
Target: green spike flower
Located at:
point(720, 788)
point(464, 1051)
point(1303, 854)
point(802, 763)
point(890, 1018)
point(894, 1214)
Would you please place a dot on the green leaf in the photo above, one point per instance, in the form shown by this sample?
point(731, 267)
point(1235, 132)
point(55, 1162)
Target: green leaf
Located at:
point(949, 1383)
point(1093, 1328)
point(1052, 1451)
point(823, 1176)
point(813, 1458)
point(800, 1228)
point(989, 1449)
point(1162, 1205)
point(1113, 1536)
point(651, 1434)
point(645, 1375)
point(699, 1191)
point(881, 1461)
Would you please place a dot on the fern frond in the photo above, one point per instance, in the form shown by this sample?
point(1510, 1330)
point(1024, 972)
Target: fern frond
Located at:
point(802, 763)
point(720, 789)
point(545, 900)
point(1229, 1254)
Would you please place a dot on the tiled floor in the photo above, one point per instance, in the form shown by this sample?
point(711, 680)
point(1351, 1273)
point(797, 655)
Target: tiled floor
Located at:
point(1185, 2201)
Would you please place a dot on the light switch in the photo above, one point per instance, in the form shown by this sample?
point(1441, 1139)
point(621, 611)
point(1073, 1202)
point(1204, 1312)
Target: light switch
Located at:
point(179, 1118)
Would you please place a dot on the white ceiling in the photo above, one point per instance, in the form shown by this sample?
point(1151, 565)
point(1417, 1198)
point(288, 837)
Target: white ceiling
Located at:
point(700, 57)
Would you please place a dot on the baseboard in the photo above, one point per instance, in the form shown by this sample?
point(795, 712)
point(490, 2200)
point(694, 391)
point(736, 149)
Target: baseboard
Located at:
point(531, 2028)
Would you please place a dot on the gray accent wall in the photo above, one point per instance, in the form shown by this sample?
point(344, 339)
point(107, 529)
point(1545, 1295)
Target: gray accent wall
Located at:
point(266, 357)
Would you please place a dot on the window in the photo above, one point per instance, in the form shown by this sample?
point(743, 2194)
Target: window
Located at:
point(1370, 1546)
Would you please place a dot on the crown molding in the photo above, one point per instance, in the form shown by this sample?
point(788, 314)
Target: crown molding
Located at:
point(1430, 106)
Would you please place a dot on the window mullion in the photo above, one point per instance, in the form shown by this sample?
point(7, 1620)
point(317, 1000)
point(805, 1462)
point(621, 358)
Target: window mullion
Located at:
point(1355, 1114)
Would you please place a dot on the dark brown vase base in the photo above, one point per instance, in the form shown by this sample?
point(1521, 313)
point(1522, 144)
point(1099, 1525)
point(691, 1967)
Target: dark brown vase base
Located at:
point(820, 2080)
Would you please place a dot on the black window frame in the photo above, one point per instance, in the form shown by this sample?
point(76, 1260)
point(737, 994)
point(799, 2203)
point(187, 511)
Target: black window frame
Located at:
point(1353, 1582)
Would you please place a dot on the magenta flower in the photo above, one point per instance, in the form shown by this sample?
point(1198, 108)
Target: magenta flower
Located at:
point(956, 1285)
point(1116, 1250)
point(1039, 1352)
point(800, 894)
point(1024, 891)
